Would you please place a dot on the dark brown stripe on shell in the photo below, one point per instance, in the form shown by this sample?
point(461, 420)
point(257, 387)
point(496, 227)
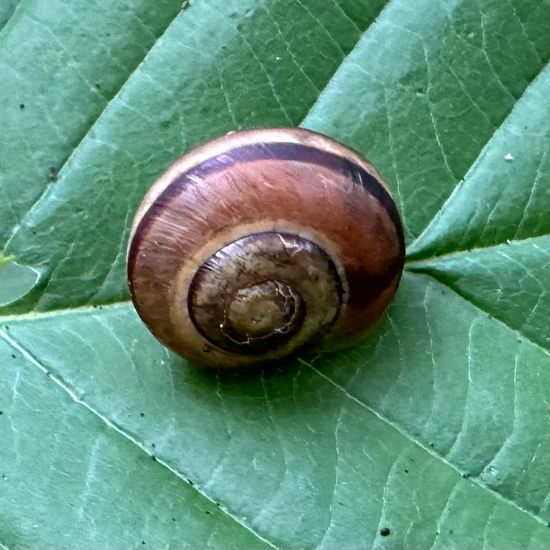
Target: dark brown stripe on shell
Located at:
point(273, 151)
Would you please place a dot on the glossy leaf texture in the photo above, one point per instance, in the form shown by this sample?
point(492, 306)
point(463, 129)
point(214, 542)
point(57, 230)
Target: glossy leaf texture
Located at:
point(432, 433)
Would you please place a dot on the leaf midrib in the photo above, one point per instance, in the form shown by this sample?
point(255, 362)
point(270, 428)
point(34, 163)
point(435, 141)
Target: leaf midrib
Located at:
point(449, 255)
point(34, 315)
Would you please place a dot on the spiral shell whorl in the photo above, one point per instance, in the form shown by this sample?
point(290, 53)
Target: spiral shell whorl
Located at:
point(267, 290)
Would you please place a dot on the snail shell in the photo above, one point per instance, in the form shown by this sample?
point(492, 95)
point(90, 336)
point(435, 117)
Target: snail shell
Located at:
point(261, 242)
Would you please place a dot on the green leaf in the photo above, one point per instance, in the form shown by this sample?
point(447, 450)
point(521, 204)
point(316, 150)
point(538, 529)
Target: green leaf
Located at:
point(57, 450)
point(7, 7)
point(16, 280)
point(436, 427)
point(505, 195)
point(509, 281)
point(61, 64)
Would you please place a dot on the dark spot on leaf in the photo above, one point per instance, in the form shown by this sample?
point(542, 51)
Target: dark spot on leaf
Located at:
point(173, 519)
point(465, 476)
point(217, 504)
point(22, 106)
point(1, 412)
point(153, 445)
point(142, 542)
point(52, 173)
point(406, 471)
point(384, 531)
point(207, 512)
point(13, 355)
point(142, 415)
point(190, 483)
point(153, 458)
point(97, 86)
point(451, 531)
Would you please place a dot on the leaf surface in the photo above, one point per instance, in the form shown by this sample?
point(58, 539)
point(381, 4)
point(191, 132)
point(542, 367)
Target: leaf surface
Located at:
point(436, 427)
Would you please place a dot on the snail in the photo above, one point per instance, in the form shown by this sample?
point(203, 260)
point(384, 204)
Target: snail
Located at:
point(261, 243)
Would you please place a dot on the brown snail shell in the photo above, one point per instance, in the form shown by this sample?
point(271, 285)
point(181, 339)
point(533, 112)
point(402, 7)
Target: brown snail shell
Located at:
point(261, 242)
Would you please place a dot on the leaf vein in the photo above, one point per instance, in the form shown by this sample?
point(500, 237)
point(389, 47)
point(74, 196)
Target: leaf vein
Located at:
point(431, 452)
